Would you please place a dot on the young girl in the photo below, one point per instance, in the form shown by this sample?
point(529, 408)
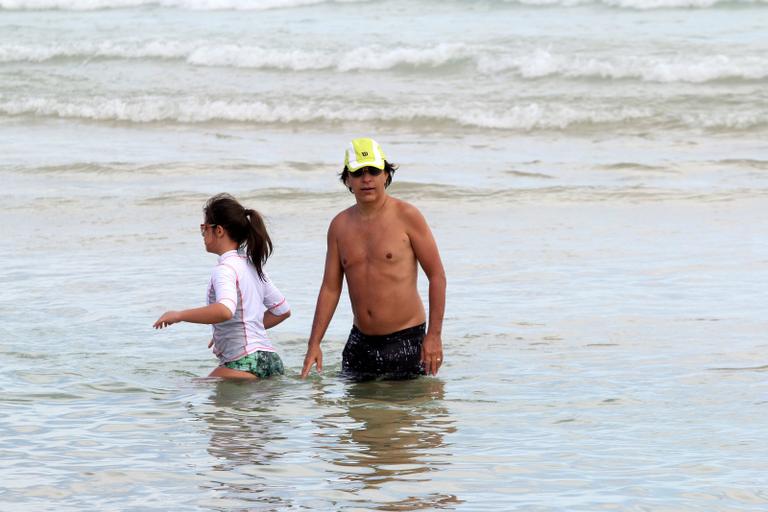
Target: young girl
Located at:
point(242, 301)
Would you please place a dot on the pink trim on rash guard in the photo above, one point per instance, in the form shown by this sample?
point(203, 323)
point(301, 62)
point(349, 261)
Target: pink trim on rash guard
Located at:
point(242, 316)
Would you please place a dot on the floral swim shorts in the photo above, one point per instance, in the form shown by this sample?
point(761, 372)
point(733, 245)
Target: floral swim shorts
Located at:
point(262, 364)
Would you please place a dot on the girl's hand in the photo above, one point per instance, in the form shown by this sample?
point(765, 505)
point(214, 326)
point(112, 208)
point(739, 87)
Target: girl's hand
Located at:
point(167, 318)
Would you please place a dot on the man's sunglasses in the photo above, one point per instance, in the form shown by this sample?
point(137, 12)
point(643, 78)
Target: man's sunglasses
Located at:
point(373, 171)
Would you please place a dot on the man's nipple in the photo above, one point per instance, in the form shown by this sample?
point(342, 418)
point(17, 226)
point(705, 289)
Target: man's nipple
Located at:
point(389, 255)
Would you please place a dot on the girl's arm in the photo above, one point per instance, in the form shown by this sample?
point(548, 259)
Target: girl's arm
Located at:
point(211, 314)
point(271, 320)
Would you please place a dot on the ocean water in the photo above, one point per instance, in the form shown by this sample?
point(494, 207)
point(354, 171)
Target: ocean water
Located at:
point(595, 173)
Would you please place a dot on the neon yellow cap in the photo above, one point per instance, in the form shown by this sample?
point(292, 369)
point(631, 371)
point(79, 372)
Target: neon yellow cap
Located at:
point(364, 153)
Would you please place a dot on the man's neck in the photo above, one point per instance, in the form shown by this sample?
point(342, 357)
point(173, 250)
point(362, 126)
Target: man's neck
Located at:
point(370, 210)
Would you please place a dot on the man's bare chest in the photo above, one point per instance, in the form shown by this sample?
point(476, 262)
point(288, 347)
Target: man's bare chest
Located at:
point(379, 246)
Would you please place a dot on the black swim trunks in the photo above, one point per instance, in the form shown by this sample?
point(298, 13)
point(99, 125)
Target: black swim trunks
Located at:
point(387, 356)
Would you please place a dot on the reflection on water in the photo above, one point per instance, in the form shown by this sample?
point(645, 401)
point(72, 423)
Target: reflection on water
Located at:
point(371, 445)
point(389, 432)
point(243, 423)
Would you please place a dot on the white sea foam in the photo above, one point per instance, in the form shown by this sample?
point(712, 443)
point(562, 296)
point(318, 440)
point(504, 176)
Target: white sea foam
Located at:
point(526, 117)
point(362, 58)
point(244, 56)
point(639, 4)
point(103, 49)
point(255, 57)
point(377, 58)
point(202, 5)
point(535, 64)
point(726, 120)
point(258, 5)
point(682, 68)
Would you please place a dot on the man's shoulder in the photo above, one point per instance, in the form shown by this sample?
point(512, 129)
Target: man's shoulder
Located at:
point(342, 216)
point(341, 219)
point(406, 210)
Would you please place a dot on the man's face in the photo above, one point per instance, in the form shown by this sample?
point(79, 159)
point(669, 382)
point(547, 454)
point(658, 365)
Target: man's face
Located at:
point(367, 183)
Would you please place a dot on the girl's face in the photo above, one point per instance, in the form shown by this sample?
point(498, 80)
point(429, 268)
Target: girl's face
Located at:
point(216, 238)
point(208, 232)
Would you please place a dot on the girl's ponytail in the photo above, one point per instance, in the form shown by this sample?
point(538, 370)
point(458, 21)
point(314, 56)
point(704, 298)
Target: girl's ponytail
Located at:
point(258, 243)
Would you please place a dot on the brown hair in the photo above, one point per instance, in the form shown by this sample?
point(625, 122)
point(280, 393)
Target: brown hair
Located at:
point(243, 225)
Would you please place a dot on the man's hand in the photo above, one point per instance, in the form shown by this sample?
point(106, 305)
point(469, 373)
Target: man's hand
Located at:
point(166, 319)
point(314, 356)
point(432, 353)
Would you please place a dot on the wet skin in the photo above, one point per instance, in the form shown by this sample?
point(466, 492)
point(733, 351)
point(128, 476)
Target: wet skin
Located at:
point(377, 245)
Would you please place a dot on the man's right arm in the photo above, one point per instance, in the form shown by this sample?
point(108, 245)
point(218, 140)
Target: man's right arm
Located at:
point(327, 300)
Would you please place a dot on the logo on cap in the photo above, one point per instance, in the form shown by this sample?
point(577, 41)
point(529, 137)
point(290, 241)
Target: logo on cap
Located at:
point(363, 152)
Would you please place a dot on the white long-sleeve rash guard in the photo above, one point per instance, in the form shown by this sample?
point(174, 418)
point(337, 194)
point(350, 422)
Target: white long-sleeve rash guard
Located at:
point(236, 284)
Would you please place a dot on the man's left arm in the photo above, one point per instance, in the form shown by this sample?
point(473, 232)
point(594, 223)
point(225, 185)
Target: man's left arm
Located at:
point(428, 256)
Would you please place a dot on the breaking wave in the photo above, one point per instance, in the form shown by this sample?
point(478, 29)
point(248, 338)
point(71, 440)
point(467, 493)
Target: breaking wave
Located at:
point(531, 64)
point(527, 117)
point(198, 5)
point(261, 5)
point(640, 4)
point(679, 68)
point(243, 56)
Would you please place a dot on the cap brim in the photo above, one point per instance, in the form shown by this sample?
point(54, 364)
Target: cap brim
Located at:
point(378, 165)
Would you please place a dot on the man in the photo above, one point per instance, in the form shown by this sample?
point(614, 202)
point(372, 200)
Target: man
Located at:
point(376, 244)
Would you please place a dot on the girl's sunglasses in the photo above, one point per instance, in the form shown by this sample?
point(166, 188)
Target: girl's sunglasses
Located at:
point(203, 227)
